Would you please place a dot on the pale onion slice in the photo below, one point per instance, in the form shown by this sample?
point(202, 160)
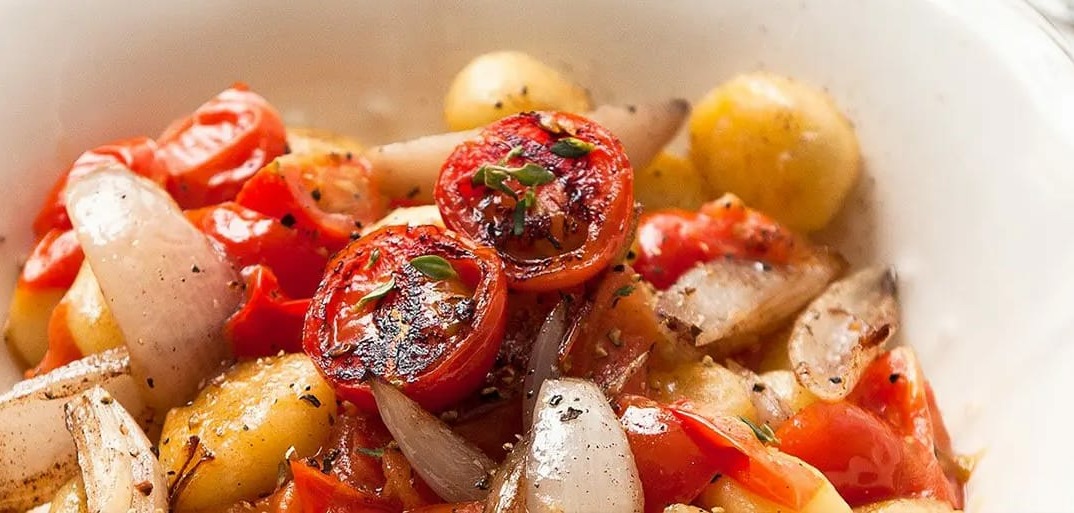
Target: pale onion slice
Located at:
point(455, 469)
point(169, 289)
point(120, 473)
point(507, 493)
point(842, 331)
point(726, 301)
point(36, 452)
point(410, 168)
point(544, 358)
point(579, 460)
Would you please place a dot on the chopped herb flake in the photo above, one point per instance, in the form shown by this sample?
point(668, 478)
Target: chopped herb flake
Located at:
point(571, 148)
point(382, 290)
point(373, 453)
point(763, 432)
point(374, 256)
point(434, 267)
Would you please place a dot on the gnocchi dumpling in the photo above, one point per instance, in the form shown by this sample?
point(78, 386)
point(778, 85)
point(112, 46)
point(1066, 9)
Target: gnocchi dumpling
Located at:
point(781, 146)
point(228, 443)
point(498, 84)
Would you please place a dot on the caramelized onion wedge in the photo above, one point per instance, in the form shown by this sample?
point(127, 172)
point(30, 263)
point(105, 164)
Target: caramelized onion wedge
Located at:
point(579, 460)
point(410, 168)
point(728, 300)
point(455, 469)
point(842, 331)
point(771, 408)
point(119, 471)
point(36, 453)
point(169, 289)
point(544, 358)
point(507, 493)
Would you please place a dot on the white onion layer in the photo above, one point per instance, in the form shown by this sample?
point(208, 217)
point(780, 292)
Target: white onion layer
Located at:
point(728, 300)
point(842, 331)
point(36, 452)
point(544, 358)
point(119, 471)
point(455, 469)
point(169, 289)
point(580, 459)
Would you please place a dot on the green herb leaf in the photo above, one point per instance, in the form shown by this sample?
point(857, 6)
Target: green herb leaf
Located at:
point(571, 148)
point(763, 432)
point(515, 152)
point(493, 177)
point(524, 204)
point(382, 290)
point(434, 267)
point(374, 256)
point(532, 174)
point(375, 453)
point(624, 291)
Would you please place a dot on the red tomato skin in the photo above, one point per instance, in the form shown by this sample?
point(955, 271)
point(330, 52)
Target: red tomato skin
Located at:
point(746, 460)
point(672, 241)
point(673, 468)
point(54, 262)
point(137, 154)
point(268, 321)
point(462, 368)
point(317, 492)
point(894, 388)
point(602, 182)
point(251, 238)
point(212, 152)
point(278, 191)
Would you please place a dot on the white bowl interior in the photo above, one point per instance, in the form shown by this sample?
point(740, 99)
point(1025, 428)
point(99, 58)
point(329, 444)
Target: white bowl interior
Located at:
point(965, 110)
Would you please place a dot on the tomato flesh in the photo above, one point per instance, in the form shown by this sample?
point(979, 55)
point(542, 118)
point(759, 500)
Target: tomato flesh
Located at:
point(577, 222)
point(436, 339)
point(673, 468)
point(313, 194)
point(252, 238)
point(269, 321)
point(54, 262)
point(212, 152)
point(671, 242)
point(881, 443)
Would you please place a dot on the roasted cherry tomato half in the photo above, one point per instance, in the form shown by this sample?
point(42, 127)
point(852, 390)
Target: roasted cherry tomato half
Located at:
point(252, 238)
point(318, 492)
point(269, 321)
point(416, 306)
point(327, 197)
point(54, 262)
point(552, 192)
point(862, 456)
point(212, 152)
point(672, 241)
point(137, 154)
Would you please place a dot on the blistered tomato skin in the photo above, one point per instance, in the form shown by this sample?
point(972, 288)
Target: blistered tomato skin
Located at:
point(212, 152)
point(672, 241)
point(378, 316)
point(552, 192)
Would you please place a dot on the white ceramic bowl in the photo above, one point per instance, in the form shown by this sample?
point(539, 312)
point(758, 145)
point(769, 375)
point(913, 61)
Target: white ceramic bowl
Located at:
point(965, 111)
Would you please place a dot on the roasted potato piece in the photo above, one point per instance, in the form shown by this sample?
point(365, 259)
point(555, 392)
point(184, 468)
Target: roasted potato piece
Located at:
point(713, 389)
point(26, 328)
point(410, 216)
point(227, 444)
point(498, 84)
point(780, 145)
point(89, 320)
point(305, 141)
point(670, 181)
point(726, 493)
point(907, 506)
